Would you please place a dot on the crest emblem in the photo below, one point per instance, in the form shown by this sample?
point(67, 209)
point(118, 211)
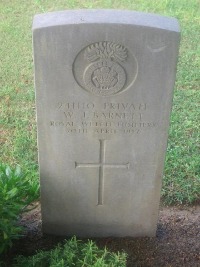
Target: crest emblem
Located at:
point(103, 68)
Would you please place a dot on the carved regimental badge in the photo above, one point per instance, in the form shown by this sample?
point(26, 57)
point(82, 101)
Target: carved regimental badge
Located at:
point(105, 68)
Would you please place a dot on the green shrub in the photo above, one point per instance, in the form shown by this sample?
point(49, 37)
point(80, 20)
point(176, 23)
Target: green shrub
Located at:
point(74, 253)
point(16, 192)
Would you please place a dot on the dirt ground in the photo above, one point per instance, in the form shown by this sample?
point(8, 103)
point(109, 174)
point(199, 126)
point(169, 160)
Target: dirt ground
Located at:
point(177, 242)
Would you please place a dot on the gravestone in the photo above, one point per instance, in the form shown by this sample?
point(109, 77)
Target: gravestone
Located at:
point(104, 85)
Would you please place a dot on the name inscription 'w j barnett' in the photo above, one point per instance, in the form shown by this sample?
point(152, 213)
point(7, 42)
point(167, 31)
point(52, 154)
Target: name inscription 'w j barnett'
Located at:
point(101, 165)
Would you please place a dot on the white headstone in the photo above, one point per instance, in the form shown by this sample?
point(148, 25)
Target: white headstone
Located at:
point(104, 85)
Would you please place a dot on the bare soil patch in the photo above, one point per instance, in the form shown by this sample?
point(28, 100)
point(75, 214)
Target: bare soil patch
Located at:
point(177, 242)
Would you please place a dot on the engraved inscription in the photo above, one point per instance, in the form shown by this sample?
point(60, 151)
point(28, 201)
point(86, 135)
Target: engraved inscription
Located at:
point(105, 68)
point(101, 165)
point(103, 119)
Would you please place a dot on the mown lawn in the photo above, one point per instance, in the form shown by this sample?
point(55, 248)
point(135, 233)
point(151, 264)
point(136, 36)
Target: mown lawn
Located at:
point(18, 146)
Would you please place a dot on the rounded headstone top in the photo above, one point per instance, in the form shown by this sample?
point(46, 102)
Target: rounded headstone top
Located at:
point(102, 16)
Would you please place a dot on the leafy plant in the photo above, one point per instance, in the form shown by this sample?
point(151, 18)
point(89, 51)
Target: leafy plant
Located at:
point(73, 253)
point(16, 192)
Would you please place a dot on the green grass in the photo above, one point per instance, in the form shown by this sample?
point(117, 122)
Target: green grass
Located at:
point(17, 108)
point(181, 183)
point(74, 253)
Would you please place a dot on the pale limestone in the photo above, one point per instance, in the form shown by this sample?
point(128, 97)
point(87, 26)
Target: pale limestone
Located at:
point(104, 85)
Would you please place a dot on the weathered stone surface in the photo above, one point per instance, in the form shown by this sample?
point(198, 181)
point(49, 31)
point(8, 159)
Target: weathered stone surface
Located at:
point(104, 85)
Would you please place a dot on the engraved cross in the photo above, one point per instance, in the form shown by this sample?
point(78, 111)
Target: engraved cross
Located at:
point(101, 165)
